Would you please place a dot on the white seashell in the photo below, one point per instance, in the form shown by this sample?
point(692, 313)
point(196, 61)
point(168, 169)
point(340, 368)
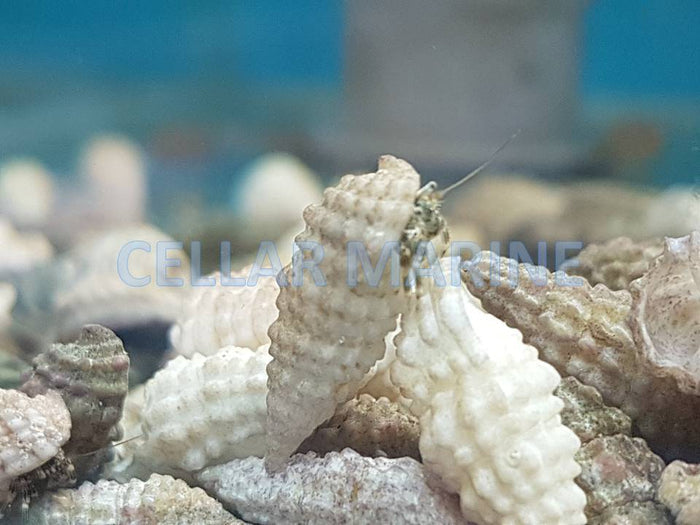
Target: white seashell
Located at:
point(490, 424)
point(90, 289)
point(26, 193)
point(204, 410)
point(32, 430)
point(161, 500)
point(216, 316)
point(276, 188)
point(685, 216)
point(21, 251)
point(341, 487)
point(377, 382)
point(327, 338)
point(114, 172)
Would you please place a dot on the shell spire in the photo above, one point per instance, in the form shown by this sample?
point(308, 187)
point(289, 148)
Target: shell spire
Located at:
point(327, 338)
point(91, 374)
point(490, 424)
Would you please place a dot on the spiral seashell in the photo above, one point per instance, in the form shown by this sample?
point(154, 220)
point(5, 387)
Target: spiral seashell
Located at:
point(616, 263)
point(490, 424)
point(32, 431)
point(204, 410)
point(327, 338)
point(341, 487)
point(216, 316)
point(21, 252)
point(665, 317)
point(91, 375)
point(369, 426)
point(160, 500)
point(584, 332)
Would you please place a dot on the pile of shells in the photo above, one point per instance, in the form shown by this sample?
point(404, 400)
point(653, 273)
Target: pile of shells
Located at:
point(445, 394)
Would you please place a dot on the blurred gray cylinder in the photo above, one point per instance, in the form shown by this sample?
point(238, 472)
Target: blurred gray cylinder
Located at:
point(447, 81)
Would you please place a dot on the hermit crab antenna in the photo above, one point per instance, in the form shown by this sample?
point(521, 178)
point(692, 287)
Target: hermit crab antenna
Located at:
point(481, 168)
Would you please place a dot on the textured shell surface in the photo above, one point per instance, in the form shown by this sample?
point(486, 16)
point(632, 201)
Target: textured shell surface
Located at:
point(216, 316)
point(585, 413)
point(90, 288)
point(617, 262)
point(327, 338)
point(490, 424)
point(203, 411)
point(161, 500)
point(369, 426)
point(32, 430)
point(377, 383)
point(679, 489)
point(616, 471)
point(21, 251)
point(584, 331)
point(666, 313)
point(91, 375)
point(341, 487)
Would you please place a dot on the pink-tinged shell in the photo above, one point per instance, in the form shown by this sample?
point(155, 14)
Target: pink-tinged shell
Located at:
point(32, 430)
point(327, 338)
point(162, 500)
point(216, 316)
point(666, 313)
point(341, 487)
point(584, 331)
point(618, 262)
point(91, 374)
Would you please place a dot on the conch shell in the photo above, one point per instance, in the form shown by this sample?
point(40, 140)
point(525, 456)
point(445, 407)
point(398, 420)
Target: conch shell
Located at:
point(216, 316)
point(203, 411)
point(327, 338)
point(638, 349)
point(490, 424)
point(341, 487)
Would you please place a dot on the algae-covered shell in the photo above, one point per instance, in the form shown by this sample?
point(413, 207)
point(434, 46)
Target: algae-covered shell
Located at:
point(617, 262)
point(616, 471)
point(585, 413)
point(161, 500)
point(369, 426)
point(205, 410)
point(32, 430)
point(665, 316)
point(91, 375)
point(585, 332)
point(327, 338)
point(490, 424)
point(341, 487)
point(216, 316)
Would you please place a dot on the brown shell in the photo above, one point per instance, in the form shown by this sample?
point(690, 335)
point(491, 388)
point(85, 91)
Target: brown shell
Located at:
point(584, 331)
